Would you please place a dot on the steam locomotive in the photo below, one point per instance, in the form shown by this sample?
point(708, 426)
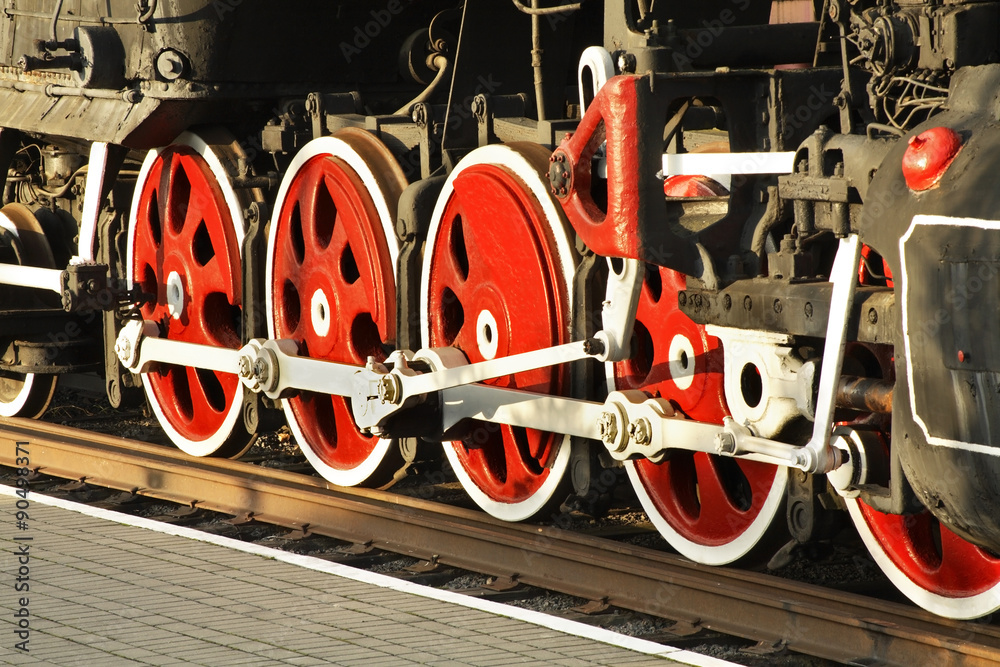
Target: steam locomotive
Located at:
point(746, 250)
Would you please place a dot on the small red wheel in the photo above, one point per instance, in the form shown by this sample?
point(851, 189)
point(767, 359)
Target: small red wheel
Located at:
point(931, 565)
point(712, 509)
point(330, 271)
point(497, 271)
point(935, 568)
point(184, 247)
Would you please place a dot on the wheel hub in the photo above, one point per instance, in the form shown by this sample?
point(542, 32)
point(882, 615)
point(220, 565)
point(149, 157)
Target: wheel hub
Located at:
point(175, 295)
point(487, 335)
point(320, 309)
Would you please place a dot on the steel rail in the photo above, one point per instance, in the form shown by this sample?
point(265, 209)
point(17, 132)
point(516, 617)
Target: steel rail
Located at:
point(809, 619)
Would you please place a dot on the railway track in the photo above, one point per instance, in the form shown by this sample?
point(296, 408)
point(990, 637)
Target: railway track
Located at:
point(807, 619)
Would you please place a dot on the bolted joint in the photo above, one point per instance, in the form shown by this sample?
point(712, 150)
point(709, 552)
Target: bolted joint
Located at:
point(123, 348)
point(560, 177)
point(246, 367)
point(261, 371)
point(129, 340)
point(594, 347)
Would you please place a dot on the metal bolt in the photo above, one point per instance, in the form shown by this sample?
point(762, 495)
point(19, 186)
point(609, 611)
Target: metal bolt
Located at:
point(682, 298)
point(808, 309)
point(872, 316)
point(727, 301)
point(640, 431)
point(387, 390)
point(777, 305)
point(725, 443)
point(607, 427)
point(261, 371)
point(246, 368)
point(747, 303)
point(593, 346)
point(479, 107)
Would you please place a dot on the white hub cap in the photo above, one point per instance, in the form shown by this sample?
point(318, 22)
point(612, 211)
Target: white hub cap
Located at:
point(175, 295)
point(681, 355)
point(320, 308)
point(487, 334)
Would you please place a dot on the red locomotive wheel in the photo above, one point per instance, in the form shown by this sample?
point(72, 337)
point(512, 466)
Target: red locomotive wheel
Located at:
point(496, 276)
point(937, 569)
point(332, 289)
point(712, 509)
point(934, 567)
point(184, 248)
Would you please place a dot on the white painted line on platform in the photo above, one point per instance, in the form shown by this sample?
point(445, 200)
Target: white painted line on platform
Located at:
point(562, 625)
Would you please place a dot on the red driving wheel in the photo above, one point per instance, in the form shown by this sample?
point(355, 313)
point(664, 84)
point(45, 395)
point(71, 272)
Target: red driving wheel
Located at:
point(497, 271)
point(184, 248)
point(710, 508)
point(332, 289)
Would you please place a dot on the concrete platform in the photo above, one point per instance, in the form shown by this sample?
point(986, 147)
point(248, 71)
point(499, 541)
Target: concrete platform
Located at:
point(105, 588)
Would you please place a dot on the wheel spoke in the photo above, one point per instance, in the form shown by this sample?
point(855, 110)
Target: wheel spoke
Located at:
point(712, 490)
